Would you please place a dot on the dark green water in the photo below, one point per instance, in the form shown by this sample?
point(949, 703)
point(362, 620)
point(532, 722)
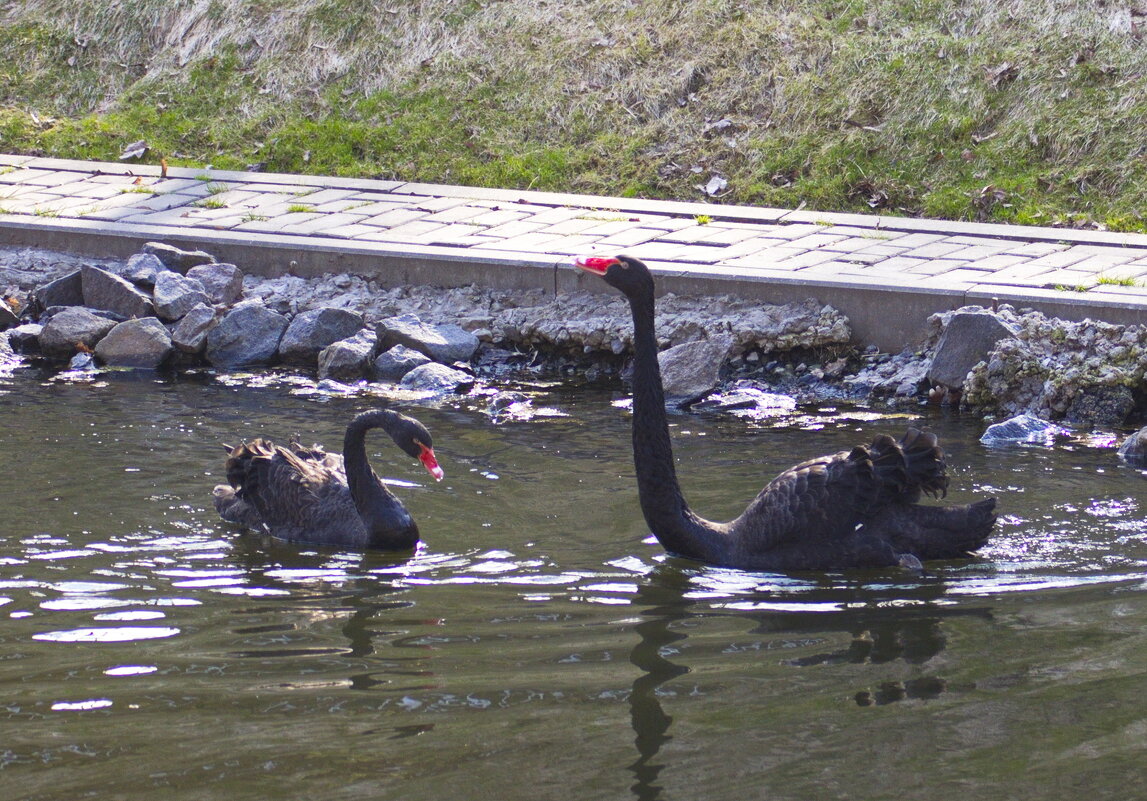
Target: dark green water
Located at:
point(536, 647)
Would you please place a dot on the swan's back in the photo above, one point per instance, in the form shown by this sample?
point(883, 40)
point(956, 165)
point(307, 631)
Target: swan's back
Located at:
point(296, 493)
point(859, 507)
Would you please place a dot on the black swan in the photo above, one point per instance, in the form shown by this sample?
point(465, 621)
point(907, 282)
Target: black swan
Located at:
point(850, 509)
point(309, 495)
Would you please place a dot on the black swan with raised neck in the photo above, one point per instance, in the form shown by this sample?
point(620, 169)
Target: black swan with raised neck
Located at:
point(852, 509)
point(308, 495)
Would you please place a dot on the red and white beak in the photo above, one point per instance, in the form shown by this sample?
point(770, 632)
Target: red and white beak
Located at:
point(430, 462)
point(598, 265)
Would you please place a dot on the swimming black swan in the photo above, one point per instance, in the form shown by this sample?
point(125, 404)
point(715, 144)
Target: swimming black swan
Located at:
point(855, 508)
point(309, 495)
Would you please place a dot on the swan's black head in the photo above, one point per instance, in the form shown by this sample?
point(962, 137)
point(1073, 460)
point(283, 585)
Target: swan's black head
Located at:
point(620, 272)
point(407, 433)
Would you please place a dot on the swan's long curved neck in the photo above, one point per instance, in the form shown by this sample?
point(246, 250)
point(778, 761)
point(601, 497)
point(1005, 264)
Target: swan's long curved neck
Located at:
point(368, 492)
point(676, 527)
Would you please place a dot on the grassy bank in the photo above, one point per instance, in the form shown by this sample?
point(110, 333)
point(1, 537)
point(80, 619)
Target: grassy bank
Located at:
point(1027, 111)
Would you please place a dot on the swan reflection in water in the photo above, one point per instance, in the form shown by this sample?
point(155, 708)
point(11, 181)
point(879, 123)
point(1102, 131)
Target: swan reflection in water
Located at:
point(882, 626)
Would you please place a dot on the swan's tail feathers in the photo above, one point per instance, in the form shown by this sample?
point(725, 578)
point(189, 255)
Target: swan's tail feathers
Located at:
point(907, 467)
point(943, 532)
point(924, 462)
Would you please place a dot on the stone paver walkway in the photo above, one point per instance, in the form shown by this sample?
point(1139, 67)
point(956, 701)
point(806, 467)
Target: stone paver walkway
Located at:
point(886, 273)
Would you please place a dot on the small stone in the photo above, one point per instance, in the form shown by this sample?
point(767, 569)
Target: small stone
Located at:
point(176, 294)
point(347, 359)
point(248, 335)
point(190, 333)
point(314, 330)
point(107, 291)
point(72, 327)
point(142, 342)
point(223, 283)
point(393, 364)
point(177, 259)
point(437, 378)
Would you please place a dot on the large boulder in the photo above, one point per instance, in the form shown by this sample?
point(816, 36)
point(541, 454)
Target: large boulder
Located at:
point(1023, 428)
point(442, 343)
point(967, 340)
point(313, 330)
point(141, 269)
point(691, 370)
point(223, 283)
point(175, 295)
point(143, 342)
point(25, 338)
point(437, 378)
point(67, 290)
point(248, 335)
point(1134, 448)
point(72, 327)
point(190, 334)
point(177, 259)
point(107, 291)
point(393, 364)
point(8, 318)
point(347, 359)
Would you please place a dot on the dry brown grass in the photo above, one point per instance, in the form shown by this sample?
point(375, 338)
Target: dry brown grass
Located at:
point(909, 104)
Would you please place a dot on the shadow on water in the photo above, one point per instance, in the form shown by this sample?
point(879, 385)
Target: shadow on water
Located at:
point(886, 623)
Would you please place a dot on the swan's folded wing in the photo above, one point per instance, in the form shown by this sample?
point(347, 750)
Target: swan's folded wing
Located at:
point(291, 491)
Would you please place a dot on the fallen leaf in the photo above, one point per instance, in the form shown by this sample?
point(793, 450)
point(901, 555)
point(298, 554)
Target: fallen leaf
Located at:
point(134, 150)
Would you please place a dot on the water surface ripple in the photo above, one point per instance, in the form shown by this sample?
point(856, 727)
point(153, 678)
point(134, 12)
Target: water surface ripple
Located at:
point(539, 644)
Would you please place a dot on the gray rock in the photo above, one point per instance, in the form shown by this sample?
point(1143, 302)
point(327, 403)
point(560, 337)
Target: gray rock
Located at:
point(437, 378)
point(176, 259)
point(8, 318)
point(967, 340)
point(1101, 406)
point(142, 342)
point(393, 364)
point(247, 336)
point(105, 290)
point(1134, 448)
point(314, 330)
point(347, 359)
point(72, 326)
point(749, 400)
point(442, 343)
point(65, 291)
point(141, 269)
point(1022, 428)
point(223, 283)
point(190, 333)
point(175, 295)
point(691, 370)
point(25, 338)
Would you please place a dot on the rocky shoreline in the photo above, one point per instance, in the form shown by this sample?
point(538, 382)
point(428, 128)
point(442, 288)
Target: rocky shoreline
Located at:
point(165, 308)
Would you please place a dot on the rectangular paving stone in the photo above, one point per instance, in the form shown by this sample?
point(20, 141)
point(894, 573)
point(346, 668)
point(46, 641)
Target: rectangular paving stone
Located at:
point(600, 228)
point(935, 250)
point(455, 213)
point(321, 222)
point(532, 242)
point(1102, 262)
point(571, 226)
point(497, 217)
point(1062, 258)
point(1070, 278)
point(627, 239)
point(516, 228)
point(1034, 249)
point(392, 216)
point(351, 231)
point(317, 196)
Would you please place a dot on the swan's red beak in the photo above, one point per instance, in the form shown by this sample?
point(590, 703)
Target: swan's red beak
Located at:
point(598, 265)
point(430, 463)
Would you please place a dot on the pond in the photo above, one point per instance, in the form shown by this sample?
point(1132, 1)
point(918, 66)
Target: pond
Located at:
point(539, 645)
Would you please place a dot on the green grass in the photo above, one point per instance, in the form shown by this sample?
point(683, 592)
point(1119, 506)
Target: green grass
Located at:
point(1028, 114)
point(300, 208)
point(1111, 280)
